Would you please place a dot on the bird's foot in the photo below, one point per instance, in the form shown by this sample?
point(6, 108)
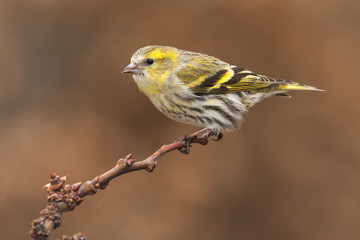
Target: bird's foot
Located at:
point(193, 138)
point(215, 134)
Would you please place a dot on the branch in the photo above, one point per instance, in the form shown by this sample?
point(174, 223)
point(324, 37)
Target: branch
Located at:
point(63, 197)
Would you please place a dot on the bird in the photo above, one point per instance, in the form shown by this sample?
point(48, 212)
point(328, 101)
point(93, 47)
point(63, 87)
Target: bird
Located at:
point(201, 90)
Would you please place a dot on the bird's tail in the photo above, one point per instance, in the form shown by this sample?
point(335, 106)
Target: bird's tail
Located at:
point(281, 89)
point(297, 86)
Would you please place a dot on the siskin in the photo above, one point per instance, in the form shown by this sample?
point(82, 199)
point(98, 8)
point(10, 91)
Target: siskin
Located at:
point(201, 90)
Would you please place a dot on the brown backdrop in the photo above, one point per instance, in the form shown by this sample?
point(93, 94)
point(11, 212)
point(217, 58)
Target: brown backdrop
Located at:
point(291, 172)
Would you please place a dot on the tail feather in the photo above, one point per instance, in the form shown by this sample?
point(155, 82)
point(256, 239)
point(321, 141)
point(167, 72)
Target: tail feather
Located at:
point(283, 95)
point(297, 86)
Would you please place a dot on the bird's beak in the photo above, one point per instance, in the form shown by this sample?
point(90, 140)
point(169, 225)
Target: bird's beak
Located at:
point(131, 68)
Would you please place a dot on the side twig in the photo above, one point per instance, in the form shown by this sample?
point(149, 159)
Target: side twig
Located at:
point(63, 197)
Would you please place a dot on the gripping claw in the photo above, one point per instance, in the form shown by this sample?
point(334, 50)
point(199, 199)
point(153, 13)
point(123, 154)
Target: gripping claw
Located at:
point(193, 138)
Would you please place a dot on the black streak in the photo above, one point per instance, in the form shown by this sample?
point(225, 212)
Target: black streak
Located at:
point(222, 112)
point(212, 80)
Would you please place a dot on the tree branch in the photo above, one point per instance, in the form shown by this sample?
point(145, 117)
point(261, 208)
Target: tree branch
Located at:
point(63, 197)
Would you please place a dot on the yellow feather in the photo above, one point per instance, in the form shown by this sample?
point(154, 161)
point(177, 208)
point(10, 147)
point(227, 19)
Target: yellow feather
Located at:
point(196, 82)
point(226, 77)
point(159, 53)
point(295, 86)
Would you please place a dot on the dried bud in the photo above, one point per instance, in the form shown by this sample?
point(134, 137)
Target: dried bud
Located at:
point(121, 162)
point(58, 187)
point(96, 180)
point(67, 188)
point(52, 175)
point(76, 186)
point(130, 162)
point(64, 178)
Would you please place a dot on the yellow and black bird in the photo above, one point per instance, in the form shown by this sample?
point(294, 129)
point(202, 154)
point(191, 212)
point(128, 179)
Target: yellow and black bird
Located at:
point(201, 90)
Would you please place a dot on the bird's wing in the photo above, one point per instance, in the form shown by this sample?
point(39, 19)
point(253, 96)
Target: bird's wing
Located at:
point(206, 79)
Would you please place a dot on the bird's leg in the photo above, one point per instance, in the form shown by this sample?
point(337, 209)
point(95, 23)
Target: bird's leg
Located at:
point(203, 139)
point(217, 135)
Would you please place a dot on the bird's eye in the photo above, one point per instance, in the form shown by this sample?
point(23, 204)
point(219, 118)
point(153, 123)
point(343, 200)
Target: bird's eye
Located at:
point(149, 61)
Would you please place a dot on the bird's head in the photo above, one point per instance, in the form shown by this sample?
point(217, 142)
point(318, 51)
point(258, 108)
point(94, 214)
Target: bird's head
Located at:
point(153, 62)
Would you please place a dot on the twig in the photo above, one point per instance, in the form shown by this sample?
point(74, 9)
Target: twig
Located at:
point(65, 197)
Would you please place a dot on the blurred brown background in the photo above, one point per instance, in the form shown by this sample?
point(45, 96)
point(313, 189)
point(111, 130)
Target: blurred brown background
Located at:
point(291, 172)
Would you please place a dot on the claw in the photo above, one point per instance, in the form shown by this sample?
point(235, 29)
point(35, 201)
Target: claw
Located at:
point(185, 149)
point(193, 138)
point(186, 144)
point(217, 136)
